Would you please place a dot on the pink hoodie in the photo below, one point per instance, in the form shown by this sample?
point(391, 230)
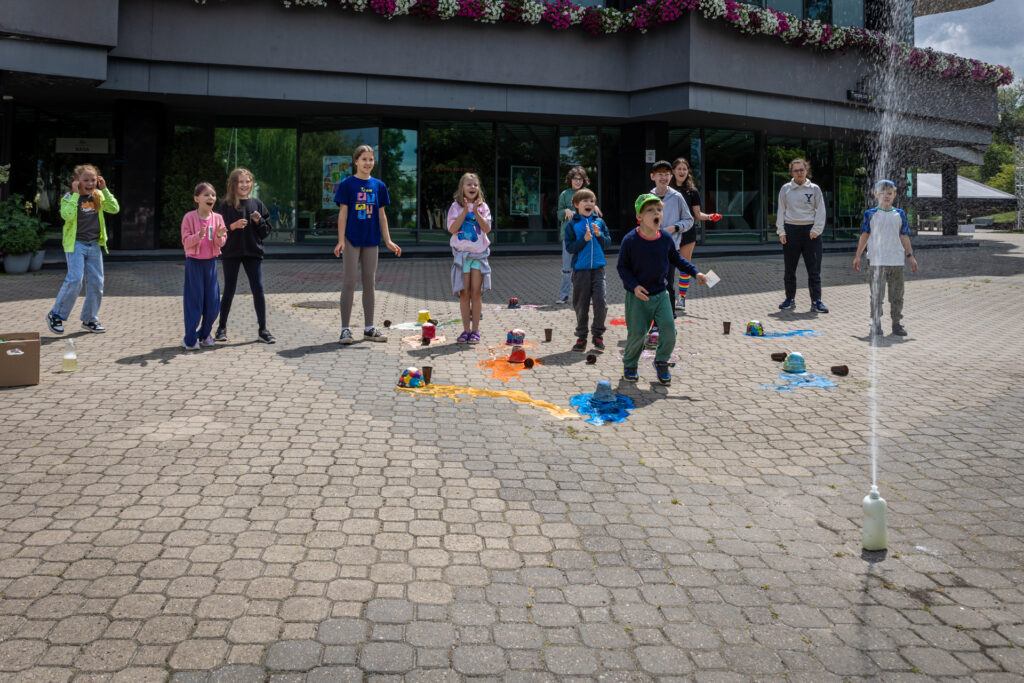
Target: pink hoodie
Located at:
point(200, 236)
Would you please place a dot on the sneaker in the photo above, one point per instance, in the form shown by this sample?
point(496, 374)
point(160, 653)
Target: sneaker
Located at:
point(876, 331)
point(661, 368)
point(580, 345)
point(94, 327)
point(55, 324)
point(630, 374)
point(599, 343)
point(209, 341)
point(374, 335)
point(899, 330)
point(681, 304)
point(194, 347)
point(346, 337)
point(221, 335)
point(819, 307)
point(652, 340)
point(474, 338)
point(563, 300)
point(463, 338)
point(266, 337)
point(787, 305)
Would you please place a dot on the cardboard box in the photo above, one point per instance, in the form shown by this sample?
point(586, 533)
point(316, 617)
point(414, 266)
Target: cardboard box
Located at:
point(19, 359)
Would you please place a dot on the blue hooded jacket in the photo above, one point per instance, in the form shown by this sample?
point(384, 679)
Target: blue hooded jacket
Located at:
point(586, 255)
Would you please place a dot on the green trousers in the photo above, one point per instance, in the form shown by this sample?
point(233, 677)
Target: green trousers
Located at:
point(639, 315)
point(882, 277)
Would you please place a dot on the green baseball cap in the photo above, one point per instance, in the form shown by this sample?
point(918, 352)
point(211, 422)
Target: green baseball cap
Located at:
point(645, 198)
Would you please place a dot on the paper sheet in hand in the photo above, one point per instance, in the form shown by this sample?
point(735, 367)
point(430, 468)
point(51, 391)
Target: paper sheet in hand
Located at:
point(712, 278)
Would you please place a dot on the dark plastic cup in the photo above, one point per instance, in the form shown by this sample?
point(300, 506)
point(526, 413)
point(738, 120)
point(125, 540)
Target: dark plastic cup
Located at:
point(547, 334)
point(426, 370)
point(779, 356)
point(591, 359)
point(725, 326)
point(840, 370)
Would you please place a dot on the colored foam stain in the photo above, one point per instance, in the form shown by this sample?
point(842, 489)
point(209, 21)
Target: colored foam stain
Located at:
point(418, 326)
point(522, 306)
point(459, 394)
point(799, 380)
point(417, 341)
point(601, 412)
point(791, 333)
point(618, 322)
point(649, 354)
point(502, 369)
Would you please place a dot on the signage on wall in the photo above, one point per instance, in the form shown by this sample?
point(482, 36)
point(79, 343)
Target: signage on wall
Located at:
point(649, 156)
point(858, 96)
point(82, 145)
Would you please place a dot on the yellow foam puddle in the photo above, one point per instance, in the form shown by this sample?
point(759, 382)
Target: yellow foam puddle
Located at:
point(459, 394)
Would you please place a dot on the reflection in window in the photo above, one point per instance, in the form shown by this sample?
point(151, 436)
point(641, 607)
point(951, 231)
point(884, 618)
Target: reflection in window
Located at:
point(398, 168)
point(527, 187)
point(447, 150)
point(818, 9)
point(731, 160)
point(848, 12)
point(851, 189)
point(270, 154)
point(778, 153)
point(325, 159)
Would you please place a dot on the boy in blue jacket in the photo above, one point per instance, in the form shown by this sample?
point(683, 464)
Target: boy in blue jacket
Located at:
point(644, 258)
point(586, 238)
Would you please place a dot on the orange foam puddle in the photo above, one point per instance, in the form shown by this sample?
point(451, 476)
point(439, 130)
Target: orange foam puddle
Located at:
point(501, 369)
point(620, 322)
point(459, 394)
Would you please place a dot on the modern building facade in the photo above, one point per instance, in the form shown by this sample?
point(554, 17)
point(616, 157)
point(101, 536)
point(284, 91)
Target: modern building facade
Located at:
point(163, 93)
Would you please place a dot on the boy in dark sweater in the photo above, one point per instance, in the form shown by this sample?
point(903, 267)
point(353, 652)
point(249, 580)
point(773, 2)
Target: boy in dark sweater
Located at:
point(643, 264)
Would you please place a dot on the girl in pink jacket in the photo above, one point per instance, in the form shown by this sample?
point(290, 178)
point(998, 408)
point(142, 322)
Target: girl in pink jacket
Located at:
point(203, 233)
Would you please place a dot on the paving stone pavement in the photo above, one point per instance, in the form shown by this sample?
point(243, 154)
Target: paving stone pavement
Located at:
point(282, 513)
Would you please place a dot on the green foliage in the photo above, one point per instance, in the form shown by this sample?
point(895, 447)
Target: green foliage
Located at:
point(401, 183)
point(1011, 113)
point(997, 155)
point(1003, 180)
point(21, 237)
point(189, 161)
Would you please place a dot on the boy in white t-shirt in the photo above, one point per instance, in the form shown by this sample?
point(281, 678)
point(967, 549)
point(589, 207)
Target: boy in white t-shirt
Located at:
point(886, 235)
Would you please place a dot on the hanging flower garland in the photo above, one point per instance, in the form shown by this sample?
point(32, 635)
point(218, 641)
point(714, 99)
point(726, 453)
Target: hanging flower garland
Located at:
point(749, 20)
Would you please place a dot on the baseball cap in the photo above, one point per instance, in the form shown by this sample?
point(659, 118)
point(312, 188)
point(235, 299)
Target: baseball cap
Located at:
point(660, 164)
point(645, 199)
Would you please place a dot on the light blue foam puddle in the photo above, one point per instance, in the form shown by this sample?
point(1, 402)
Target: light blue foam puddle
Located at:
point(791, 333)
point(799, 380)
point(600, 412)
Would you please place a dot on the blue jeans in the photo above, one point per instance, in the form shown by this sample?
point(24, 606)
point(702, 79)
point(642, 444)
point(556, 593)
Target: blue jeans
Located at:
point(566, 287)
point(84, 263)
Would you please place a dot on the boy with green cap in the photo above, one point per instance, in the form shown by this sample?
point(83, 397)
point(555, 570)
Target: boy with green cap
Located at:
point(643, 264)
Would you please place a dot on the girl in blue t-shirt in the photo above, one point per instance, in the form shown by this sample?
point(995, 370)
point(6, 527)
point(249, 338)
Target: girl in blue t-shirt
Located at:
point(469, 223)
point(362, 224)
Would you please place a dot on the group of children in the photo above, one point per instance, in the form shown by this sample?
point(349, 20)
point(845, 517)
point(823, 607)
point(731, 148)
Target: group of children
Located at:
point(647, 257)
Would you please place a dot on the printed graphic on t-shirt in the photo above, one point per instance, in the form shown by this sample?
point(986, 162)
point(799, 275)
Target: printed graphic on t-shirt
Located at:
point(87, 206)
point(366, 198)
point(469, 229)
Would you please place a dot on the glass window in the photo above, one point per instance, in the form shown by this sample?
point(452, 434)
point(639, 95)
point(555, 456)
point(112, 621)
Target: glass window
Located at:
point(270, 154)
point(684, 143)
point(325, 159)
point(731, 185)
point(447, 150)
point(608, 186)
point(578, 147)
point(399, 170)
point(819, 153)
point(848, 12)
point(851, 190)
point(187, 161)
point(794, 7)
point(818, 9)
point(778, 153)
point(527, 187)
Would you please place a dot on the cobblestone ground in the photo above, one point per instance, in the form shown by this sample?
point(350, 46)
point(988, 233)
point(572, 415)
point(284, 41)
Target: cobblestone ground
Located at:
point(282, 513)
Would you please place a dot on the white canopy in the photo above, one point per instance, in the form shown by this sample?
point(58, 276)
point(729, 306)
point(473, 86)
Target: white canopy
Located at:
point(929, 186)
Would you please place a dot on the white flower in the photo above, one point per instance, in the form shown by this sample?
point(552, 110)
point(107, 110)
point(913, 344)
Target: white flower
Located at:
point(769, 22)
point(611, 20)
point(446, 9)
point(533, 11)
point(492, 11)
point(713, 9)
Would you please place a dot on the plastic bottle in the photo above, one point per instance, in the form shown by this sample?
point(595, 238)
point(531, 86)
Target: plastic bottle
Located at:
point(70, 363)
point(873, 534)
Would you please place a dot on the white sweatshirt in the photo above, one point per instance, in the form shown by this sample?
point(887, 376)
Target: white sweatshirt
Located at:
point(801, 205)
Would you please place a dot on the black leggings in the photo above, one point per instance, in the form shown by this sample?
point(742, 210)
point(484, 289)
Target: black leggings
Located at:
point(254, 271)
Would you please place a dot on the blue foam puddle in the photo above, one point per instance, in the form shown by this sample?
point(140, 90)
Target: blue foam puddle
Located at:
point(791, 333)
point(799, 380)
point(600, 412)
